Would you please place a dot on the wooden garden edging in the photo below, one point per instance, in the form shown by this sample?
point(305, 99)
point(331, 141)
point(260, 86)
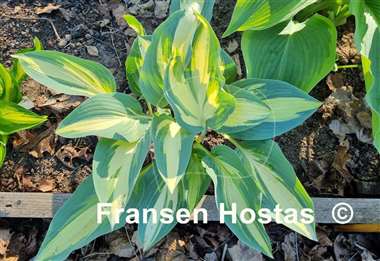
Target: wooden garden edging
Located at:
point(44, 205)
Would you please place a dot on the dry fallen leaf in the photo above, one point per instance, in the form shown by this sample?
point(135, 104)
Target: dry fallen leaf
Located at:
point(289, 246)
point(47, 9)
point(5, 237)
point(46, 185)
point(242, 252)
point(68, 153)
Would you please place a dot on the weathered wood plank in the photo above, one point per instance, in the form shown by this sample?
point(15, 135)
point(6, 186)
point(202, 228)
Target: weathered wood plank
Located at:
point(44, 205)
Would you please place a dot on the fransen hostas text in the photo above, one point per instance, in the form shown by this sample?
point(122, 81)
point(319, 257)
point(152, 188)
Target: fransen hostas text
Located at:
point(183, 216)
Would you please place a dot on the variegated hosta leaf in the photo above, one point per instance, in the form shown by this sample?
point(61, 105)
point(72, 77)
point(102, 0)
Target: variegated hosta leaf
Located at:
point(263, 14)
point(3, 148)
point(18, 73)
point(159, 54)
point(283, 52)
point(115, 116)
point(135, 24)
point(75, 224)
point(135, 61)
point(193, 85)
point(289, 106)
point(67, 74)
point(116, 168)
point(196, 181)
point(6, 84)
point(228, 66)
point(249, 111)
point(205, 7)
point(14, 118)
point(367, 40)
point(376, 129)
point(277, 180)
point(152, 192)
point(172, 147)
point(234, 185)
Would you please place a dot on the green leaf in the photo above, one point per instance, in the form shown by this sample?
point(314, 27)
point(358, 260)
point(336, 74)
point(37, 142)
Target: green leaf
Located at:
point(172, 147)
point(6, 84)
point(376, 129)
point(263, 14)
point(228, 67)
point(234, 185)
point(135, 61)
point(283, 52)
point(67, 74)
point(154, 194)
point(159, 55)
point(196, 181)
point(249, 111)
point(114, 116)
point(277, 180)
point(205, 7)
point(18, 73)
point(74, 225)
point(14, 118)
point(3, 148)
point(116, 168)
point(134, 24)
point(367, 40)
point(193, 84)
point(290, 107)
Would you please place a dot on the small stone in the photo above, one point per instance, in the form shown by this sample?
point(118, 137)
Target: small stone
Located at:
point(88, 36)
point(161, 9)
point(92, 50)
point(62, 43)
point(17, 9)
point(104, 22)
point(233, 45)
point(68, 37)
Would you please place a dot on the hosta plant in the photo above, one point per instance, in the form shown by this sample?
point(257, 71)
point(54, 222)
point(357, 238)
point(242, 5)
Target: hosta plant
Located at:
point(152, 150)
point(13, 116)
point(299, 38)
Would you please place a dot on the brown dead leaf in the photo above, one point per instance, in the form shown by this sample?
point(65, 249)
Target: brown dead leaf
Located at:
point(5, 237)
point(46, 185)
point(47, 9)
point(27, 182)
point(341, 159)
point(21, 139)
point(335, 81)
point(289, 246)
point(61, 103)
point(242, 252)
point(68, 153)
point(46, 145)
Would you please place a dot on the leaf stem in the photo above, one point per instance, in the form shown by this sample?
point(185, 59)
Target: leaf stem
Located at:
point(350, 66)
point(150, 110)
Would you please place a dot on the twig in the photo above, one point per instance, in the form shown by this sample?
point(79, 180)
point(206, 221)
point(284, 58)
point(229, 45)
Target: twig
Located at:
point(33, 19)
point(97, 254)
point(114, 48)
point(224, 252)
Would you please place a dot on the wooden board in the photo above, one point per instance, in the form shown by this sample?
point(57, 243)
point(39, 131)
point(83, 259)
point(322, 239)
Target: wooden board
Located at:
point(44, 205)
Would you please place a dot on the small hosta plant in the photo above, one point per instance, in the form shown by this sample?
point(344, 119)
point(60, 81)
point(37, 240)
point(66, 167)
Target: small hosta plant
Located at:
point(152, 152)
point(14, 117)
point(299, 37)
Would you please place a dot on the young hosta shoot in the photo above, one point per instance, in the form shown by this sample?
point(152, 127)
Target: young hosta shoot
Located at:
point(179, 74)
point(14, 117)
